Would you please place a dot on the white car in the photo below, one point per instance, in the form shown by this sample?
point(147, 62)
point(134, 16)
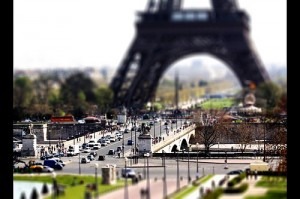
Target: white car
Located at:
point(87, 150)
point(103, 143)
point(47, 169)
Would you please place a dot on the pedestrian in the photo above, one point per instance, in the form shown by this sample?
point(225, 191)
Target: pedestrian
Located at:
point(255, 174)
point(213, 185)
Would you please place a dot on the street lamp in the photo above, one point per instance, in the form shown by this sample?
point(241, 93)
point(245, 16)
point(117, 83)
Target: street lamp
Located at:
point(160, 128)
point(148, 179)
point(79, 168)
point(165, 180)
point(154, 132)
point(189, 175)
point(135, 157)
point(197, 145)
point(50, 130)
point(144, 169)
point(126, 184)
point(54, 186)
point(123, 145)
point(73, 134)
point(96, 179)
point(178, 182)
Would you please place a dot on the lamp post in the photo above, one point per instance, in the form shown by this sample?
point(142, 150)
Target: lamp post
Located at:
point(96, 179)
point(160, 128)
point(50, 130)
point(54, 185)
point(178, 182)
point(154, 132)
point(197, 145)
point(79, 168)
point(166, 127)
point(144, 169)
point(126, 184)
point(73, 134)
point(123, 145)
point(165, 180)
point(189, 175)
point(148, 178)
point(135, 157)
point(264, 122)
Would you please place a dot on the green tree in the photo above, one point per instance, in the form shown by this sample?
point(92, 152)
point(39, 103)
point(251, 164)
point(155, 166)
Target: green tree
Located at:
point(22, 97)
point(268, 95)
point(77, 92)
point(22, 92)
point(104, 97)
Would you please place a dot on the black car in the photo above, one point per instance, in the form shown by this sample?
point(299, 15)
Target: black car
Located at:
point(101, 157)
point(235, 172)
point(111, 152)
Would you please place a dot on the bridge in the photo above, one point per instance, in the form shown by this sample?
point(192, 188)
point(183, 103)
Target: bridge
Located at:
point(175, 142)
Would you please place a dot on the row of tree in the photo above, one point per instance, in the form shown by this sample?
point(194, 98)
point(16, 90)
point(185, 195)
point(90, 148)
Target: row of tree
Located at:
point(79, 96)
point(48, 95)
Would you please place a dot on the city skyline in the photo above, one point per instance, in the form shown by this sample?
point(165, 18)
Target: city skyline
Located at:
point(63, 34)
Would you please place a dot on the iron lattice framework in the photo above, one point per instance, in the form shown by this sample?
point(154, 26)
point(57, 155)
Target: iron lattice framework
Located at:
point(166, 33)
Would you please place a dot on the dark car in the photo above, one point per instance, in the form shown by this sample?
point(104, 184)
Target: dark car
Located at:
point(130, 142)
point(101, 157)
point(111, 152)
point(128, 172)
point(235, 172)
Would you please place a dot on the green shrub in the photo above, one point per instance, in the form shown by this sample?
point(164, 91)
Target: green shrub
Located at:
point(213, 194)
point(243, 187)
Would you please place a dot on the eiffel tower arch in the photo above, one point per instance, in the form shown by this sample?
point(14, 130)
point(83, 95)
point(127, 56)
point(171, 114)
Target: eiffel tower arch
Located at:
point(165, 33)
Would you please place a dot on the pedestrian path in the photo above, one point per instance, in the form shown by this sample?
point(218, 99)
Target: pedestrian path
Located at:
point(208, 185)
point(135, 191)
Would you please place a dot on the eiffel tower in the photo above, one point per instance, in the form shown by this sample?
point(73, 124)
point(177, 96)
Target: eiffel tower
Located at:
point(166, 33)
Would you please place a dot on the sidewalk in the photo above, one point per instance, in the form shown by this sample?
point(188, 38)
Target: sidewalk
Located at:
point(207, 185)
point(134, 191)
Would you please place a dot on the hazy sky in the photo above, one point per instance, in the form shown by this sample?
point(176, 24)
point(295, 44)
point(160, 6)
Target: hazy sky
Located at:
point(80, 33)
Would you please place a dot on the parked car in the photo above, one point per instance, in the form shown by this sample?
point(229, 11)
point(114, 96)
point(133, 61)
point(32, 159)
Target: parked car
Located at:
point(85, 160)
point(130, 142)
point(59, 160)
point(101, 157)
point(128, 173)
point(41, 168)
point(94, 153)
point(111, 152)
point(90, 157)
point(103, 143)
point(47, 169)
point(87, 150)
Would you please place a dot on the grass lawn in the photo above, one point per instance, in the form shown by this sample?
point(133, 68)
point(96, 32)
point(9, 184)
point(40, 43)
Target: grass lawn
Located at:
point(276, 188)
point(74, 189)
point(183, 193)
point(217, 103)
